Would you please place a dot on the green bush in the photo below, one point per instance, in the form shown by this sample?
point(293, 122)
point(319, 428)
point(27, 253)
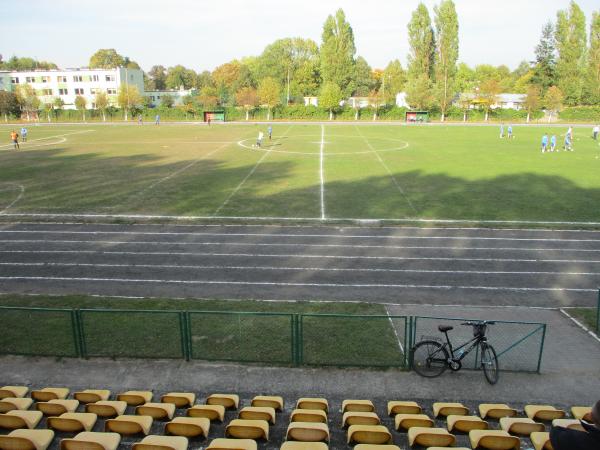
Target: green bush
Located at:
point(581, 113)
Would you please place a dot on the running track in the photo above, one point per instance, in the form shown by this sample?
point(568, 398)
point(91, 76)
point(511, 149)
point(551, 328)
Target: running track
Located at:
point(389, 264)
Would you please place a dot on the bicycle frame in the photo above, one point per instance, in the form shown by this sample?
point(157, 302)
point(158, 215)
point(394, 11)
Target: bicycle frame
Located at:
point(473, 342)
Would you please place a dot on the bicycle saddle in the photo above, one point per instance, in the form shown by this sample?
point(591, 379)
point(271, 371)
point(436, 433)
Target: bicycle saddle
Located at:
point(444, 328)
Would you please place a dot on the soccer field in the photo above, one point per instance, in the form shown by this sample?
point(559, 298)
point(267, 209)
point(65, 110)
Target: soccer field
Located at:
point(308, 171)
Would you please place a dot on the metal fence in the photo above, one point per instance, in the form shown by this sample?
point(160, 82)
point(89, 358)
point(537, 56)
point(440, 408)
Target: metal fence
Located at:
point(598, 314)
point(268, 338)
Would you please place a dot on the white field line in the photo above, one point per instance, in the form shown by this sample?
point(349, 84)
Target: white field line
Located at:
point(49, 137)
point(400, 346)
point(321, 174)
point(284, 284)
point(22, 191)
point(391, 175)
point(284, 268)
point(580, 325)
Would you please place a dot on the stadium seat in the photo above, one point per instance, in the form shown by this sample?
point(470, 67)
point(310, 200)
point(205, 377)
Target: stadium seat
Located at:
point(541, 440)
point(229, 401)
point(16, 418)
point(269, 401)
point(376, 447)
point(153, 442)
point(573, 424)
point(446, 448)
point(369, 434)
point(401, 407)
point(92, 395)
point(359, 418)
point(543, 412)
point(107, 408)
point(308, 415)
point(258, 413)
point(11, 403)
point(493, 440)
point(447, 409)
point(89, 440)
point(50, 393)
point(158, 411)
point(430, 437)
point(232, 444)
point(247, 429)
point(357, 406)
point(520, 425)
point(312, 403)
point(73, 422)
point(135, 398)
point(465, 423)
point(211, 412)
point(189, 427)
point(407, 421)
point(295, 445)
point(13, 391)
point(128, 424)
point(307, 432)
point(579, 412)
point(179, 399)
point(25, 439)
point(57, 407)
point(496, 411)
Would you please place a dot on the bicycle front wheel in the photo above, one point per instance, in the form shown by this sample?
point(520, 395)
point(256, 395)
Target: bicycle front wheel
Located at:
point(489, 363)
point(429, 359)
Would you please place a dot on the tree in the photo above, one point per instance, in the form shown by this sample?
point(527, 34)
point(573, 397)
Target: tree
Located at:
point(593, 75)
point(158, 77)
point(419, 93)
point(81, 104)
point(488, 95)
point(108, 58)
point(178, 76)
point(8, 104)
point(16, 63)
point(570, 38)
point(553, 101)
point(208, 97)
point(337, 53)
point(248, 98)
point(128, 98)
point(465, 78)
point(522, 84)
point(28, 101)
point(330, 97)
point(446, 53)
point(375, 99)
point(364, 81)
point(532, 101)
point(59, 103)
point(545, 59)
point(393, 81)
point(268, 94)
point(167, 101)
point(101, 101)
point(48, 108)
point(204, 79)
point(229, 78)
point(422, 45)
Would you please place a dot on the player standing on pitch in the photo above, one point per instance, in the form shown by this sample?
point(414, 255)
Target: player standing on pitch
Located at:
point(23, 134)
point(14, 136)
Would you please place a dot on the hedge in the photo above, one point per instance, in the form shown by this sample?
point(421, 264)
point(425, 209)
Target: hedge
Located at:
point(581, 113)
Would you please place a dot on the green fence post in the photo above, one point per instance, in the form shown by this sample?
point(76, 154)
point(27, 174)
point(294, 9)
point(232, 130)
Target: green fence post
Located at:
point(76, 338)
point(183, 336)
point(300, 339)
point(539, 365)
point(294, 346)
point(82, 345)
point(598, 314)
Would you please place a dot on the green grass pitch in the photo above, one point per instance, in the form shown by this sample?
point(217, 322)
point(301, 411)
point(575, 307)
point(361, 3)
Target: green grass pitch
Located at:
point(306, 171)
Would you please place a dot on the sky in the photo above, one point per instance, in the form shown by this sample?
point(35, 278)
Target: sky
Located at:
point(202, 34)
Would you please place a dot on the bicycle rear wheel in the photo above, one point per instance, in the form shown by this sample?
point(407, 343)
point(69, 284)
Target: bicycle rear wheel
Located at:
point(489, 363)
point(429, 359)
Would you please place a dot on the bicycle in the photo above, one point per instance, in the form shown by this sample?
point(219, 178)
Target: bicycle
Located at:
point(430, 359)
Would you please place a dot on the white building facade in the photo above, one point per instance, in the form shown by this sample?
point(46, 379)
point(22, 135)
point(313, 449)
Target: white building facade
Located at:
point(177, 95)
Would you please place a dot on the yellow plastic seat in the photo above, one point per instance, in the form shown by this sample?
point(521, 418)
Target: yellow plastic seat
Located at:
point(232, 444)
point(465, 423)
point(128, 424)
point(107, 408)
point(154, 442)
point(430, 437)
point(541, 440)
point(402, 407)
point(407, 421)
point(543, 412)
point(307, 432)
point(16, 418)
point(211, 412)
point(179, 399)
point(520, 425)
point(308, 415)
point(189, 427)
point(572, 424)
point(158, 411)
point(57, 407)
point(357, 406)
point(92, 395)
point(258, 413)
point(446, 448)
point(447, 409)
point(248, 429)
point(135, 398)
point(11, 403)
point(229, 401)
point(493, 440)
point(369, 434)
point(496, 410)
point(25, 439)
point(359, 418)
point(89, 440)
point(296, 445)
point(312, 403)
point(50, 393)
point(13, 391)
point(269, 401)
point(580, 412)
point(376, 447)
point(73, 422)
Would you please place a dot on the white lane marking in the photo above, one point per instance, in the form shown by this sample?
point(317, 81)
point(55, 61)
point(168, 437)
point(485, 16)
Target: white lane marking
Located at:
point(283, 268)
point(21, 188)
point(274, 283)
point(400, 346)
point(48, 137)
point(580, 325)
point(321, 174)
point(391, 175)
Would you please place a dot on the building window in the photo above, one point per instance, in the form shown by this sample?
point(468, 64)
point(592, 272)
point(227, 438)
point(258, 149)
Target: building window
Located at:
point(94, 91)
point(61, 79)
point(46, 91)
point(95, 78)
point(14, 80)
point(111, 91)
point(77, 78)
point(78, 91)
point(110, 78)
point(45, 79)
point(63, 92)
point(30, 79)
